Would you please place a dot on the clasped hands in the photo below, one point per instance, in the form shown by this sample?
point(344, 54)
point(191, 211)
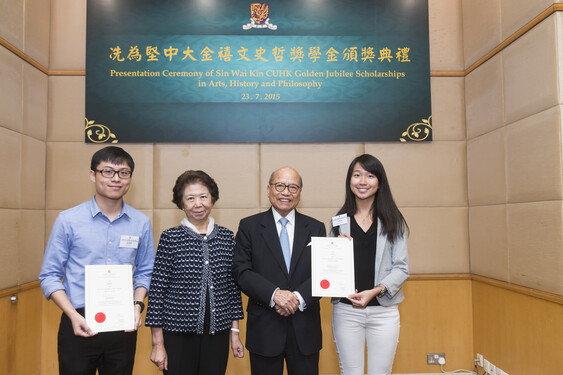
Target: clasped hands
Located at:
point(286, 302)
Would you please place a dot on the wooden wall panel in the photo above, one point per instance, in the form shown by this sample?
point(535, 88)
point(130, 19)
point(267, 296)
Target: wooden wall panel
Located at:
point(435, 318)
point(20, 332)
point(8, 336)
point(51, 318)
point(519, 333)
point(28, 332)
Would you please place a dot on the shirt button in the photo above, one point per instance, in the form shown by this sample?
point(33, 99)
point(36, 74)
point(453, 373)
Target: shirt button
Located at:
point(213, 310)
point(109, 260)
point(206, 262)
point(110, 242)
point(205, 238)
point(211, 287)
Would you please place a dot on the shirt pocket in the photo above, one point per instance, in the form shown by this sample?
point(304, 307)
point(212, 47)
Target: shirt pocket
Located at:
point(126, 255)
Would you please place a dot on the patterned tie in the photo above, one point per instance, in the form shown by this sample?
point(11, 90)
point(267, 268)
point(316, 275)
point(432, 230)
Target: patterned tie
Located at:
point(284, 241)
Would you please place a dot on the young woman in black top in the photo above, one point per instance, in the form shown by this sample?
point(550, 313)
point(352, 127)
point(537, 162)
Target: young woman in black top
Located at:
point(380, 268)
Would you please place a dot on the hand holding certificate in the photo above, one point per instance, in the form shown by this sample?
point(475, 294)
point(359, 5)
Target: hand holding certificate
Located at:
point(332, 267)
point(109, 298)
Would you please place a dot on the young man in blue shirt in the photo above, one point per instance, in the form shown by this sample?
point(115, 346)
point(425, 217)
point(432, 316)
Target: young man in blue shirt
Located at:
point(101, 231)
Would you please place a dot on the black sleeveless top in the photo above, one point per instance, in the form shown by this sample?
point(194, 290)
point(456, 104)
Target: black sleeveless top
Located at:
point(364, 258)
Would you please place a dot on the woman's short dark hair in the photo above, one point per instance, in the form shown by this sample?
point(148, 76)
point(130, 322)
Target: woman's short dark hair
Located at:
point(383, 208)
point(192, 177)
point(111, 154)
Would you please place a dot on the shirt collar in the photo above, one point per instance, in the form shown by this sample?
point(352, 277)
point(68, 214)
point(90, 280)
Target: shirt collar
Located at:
point(95, 209)
point(186, 223)
point(290, 216)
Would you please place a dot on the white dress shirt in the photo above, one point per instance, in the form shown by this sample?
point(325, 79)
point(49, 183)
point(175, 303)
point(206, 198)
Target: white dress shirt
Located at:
point(290, 226)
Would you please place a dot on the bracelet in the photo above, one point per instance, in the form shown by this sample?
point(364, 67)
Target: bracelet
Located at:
point(235, 329)
point(383, 290)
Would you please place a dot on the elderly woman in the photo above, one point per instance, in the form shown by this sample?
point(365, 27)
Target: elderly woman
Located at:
point(194, 303)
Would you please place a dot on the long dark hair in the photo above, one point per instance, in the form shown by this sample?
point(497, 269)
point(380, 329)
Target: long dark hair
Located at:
point(393, 224)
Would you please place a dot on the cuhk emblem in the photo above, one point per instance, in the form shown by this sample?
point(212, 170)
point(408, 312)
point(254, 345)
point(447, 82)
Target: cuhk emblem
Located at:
point(259, 12)
point(259, 17)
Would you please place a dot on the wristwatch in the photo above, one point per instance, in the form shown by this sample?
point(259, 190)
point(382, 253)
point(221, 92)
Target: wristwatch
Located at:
point(140, 303)
point(383, 290)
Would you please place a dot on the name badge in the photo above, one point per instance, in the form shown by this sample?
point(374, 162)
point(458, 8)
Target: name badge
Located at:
point(339, 220)
point(131, 242)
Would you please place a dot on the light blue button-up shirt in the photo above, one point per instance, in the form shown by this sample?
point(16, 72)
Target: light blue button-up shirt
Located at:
point(83, 235)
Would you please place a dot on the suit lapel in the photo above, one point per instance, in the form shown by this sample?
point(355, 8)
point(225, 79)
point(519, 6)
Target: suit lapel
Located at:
point(380, 247)
point(300, 237)
point(271, 238)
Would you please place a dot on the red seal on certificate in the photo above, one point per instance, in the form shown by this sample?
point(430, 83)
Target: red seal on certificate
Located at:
point(325, 284)
point(100, 317)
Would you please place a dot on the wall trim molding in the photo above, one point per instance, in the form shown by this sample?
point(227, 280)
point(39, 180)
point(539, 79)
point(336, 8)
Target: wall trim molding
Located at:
point(439, 276)
point(67, 73)
point(505, 43)
point(447, 73)
point(557, 7)
point(16, 51)
point(551, 297)
point(19, 289)
point(517, 34)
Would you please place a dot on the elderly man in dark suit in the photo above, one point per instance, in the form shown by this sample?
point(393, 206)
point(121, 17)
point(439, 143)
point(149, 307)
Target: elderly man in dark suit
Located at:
point(272, 266)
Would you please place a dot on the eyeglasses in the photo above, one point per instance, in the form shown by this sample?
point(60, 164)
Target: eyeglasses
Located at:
point(109, 173)
point(280, 187)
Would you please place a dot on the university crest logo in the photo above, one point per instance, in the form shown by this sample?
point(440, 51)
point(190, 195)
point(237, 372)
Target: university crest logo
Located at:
point(259, 13)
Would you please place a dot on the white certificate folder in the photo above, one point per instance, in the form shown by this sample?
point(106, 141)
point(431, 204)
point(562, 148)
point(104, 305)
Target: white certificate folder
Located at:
point(332, 266)
point(109, 298)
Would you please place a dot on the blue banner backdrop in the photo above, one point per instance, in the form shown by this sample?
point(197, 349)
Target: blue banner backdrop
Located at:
point(237, 71)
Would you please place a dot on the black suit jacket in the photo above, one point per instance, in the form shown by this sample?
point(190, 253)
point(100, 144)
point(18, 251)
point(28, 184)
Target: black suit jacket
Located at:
point(259, 268)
